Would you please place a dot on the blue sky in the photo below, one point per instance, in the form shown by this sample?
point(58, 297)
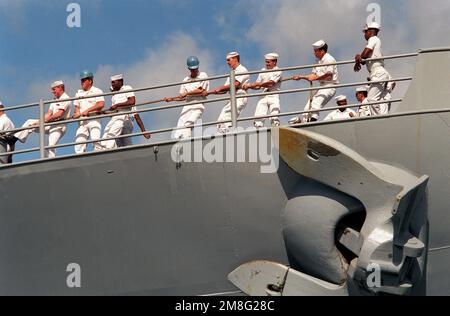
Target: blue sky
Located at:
point(148, 41)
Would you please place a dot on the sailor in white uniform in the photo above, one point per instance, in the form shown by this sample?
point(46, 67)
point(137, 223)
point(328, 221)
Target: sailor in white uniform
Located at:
point(269, 82)
point(343, 113)
point(86, 107)
point(121, 124)
point(191, 92)
point(57, 111)
point(5, 125)
point(361, 96)
point(326, 75)
point(233, 61)
point(377, 91)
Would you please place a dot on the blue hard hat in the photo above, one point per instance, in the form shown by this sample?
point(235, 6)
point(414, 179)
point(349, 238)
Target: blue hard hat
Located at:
point(86, 74)
point(193, 63)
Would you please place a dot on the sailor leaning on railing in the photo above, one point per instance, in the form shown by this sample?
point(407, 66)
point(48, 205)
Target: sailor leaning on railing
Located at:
point(377, 72)
point(195, 88)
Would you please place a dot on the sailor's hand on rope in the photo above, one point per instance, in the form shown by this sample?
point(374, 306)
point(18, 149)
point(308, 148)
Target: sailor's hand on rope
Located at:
point(205, 93)
point(76, 116)
point(358, 61)
point(298, 78)
point(256, 86)
point(147, 135)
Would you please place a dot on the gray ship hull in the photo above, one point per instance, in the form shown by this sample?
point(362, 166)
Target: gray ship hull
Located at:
point(135, 224)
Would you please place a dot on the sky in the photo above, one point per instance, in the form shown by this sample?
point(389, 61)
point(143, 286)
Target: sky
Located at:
point(149, 40)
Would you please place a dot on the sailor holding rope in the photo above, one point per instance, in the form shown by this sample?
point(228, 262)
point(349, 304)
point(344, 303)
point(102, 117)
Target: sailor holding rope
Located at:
point(326, 75)
point(121, 124)
point(191, 91)
point(84, 108)
point(269, 82)
point(233, 61)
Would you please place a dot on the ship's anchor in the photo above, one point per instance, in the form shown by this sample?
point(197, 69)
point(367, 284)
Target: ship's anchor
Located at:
point(393, 236)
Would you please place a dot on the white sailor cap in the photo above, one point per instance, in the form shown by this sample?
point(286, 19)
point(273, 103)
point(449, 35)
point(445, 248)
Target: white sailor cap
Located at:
point(1, 103)
point(362, 89)
point(319, 44)
point(232, 54)
point(271, 56)
point(117, 77)
point(57, 84)
point(372, 25)
point(341, 98)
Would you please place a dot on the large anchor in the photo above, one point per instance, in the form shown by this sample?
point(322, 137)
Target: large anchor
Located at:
point(325, 259)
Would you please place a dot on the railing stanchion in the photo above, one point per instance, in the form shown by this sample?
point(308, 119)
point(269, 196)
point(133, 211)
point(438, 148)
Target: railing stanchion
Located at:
point(41, 129)
point(233, 102)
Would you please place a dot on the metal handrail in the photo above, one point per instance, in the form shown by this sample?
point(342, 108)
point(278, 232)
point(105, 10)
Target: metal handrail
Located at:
point(310, 124)
point(284, 69)
point(165, 107)
point(233, 96)
point(17, 107)
point(243, 73)
point(238, 96)
point(170, 129)
point(162, 143)
point(334, 86)
point(339, 63)
point(205, 124)
point(24, 151)
point(251, 118)
point(400, 114)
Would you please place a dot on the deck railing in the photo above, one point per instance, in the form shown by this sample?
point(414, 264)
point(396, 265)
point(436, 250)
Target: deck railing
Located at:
point(232, 98)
